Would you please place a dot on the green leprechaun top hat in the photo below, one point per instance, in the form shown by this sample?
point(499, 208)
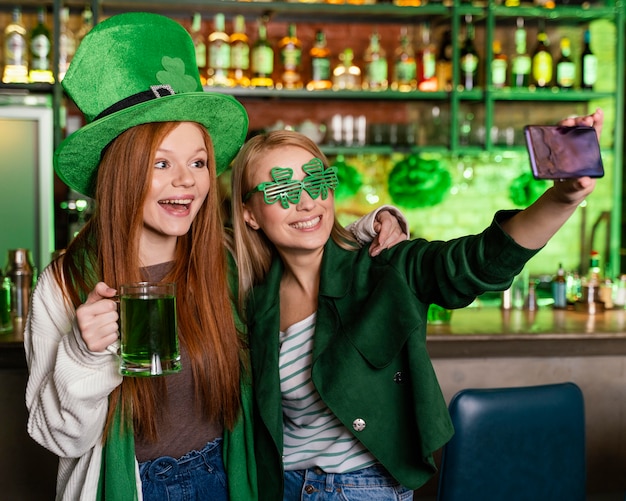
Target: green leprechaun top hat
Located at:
point(136, 68)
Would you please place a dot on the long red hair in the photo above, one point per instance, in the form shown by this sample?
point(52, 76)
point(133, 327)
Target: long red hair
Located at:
point(107, 249)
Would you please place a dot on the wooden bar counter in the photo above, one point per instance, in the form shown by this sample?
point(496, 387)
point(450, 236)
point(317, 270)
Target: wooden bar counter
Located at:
point(520, 333)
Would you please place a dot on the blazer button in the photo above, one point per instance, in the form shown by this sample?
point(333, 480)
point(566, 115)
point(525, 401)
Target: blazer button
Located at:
point(358, 424)
point(398, 377)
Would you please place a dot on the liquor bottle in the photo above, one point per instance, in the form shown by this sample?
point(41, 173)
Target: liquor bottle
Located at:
point(376, 72)
point(67, 43)
point(565, 66)
point(468, 57)
point(499, 65)
point(346, 75)
point(85, 25)
point(426, 62)
point(15, 50)
point(320, 64)
point(404, 76)
point(218, 49)
point(588, 64)
point(542, 60)
point(443, 66)
point(290, 51)
point(240, 54)
point(40, 67)
point(198, 43)
point(531, 299)
point(262, 59)
point(559, 289)
point(521, 62)
point(594, 275)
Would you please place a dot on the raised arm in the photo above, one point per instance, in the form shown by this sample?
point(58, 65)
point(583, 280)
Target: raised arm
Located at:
point(533, 227)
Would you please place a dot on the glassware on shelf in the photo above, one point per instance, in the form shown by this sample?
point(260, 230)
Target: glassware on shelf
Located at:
point(262, 59)
point(199, 44)
point(40, 66)
point(520, 62)
point(218, 49)
point(404, 76)
point(15, 50)
point(320, 64)
point(346, 75)
point(588, 64)
point(290, 52)
point(542, 60)
point(375, 70)
point(240, 54)
point(67, 42)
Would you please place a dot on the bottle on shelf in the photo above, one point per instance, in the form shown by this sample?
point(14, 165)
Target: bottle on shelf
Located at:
point(426, 61)
point(521, 62)
point(565, 66)
point(199, 44)
point(320, 64)
point(262, 59)
point(15, 50)
point(530, 303)
point(218, 49)
point(594, 275)
point(559, 289)
point(239, 53)
point(376, 71)
point(468, 57)
point(443, 66)
point(346, 75)
point(67, 42)
point(542, 61)
point(499, 65)
point(290, 51)
point(40, 67)
point(404, 77)
point(86, 23)
point(588, 64)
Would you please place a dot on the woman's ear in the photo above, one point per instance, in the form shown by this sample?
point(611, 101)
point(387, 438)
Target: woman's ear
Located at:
point(248, 217)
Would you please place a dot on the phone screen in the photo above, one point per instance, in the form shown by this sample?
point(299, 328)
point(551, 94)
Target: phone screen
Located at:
point(559, 152)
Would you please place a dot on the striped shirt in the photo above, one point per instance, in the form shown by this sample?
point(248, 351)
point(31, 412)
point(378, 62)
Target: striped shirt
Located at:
point(313, 436)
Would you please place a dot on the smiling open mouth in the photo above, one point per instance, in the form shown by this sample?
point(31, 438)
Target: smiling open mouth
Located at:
point(303, 225)
point(177, 205)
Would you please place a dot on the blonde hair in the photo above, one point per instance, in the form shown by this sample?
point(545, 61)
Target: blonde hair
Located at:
point(107, 249)
point(253, 249)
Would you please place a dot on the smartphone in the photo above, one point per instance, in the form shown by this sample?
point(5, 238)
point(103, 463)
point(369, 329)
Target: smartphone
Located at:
point(559, 152)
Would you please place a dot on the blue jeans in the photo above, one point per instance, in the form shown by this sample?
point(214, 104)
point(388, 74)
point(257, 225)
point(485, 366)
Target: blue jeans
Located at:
point(196, 476)
point(369, 484)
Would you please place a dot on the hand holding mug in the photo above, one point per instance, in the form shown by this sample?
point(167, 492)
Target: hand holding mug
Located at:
point(97, 318)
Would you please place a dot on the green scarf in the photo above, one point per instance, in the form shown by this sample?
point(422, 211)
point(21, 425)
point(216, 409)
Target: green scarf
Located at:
point(117, 472)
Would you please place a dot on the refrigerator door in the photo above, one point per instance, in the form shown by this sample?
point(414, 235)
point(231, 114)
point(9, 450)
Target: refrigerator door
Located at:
point(26, 181)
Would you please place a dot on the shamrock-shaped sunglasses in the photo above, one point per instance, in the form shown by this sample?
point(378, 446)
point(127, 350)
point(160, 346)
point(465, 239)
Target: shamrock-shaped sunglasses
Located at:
point(316, 181)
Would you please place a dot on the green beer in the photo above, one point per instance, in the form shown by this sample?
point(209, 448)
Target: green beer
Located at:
point(149, 340)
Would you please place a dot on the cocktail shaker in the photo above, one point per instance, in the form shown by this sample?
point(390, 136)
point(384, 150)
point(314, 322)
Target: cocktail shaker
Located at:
point(20, 271)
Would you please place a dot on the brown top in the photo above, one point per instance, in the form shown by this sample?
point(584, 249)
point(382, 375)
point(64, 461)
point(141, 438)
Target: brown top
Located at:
point(183, 428)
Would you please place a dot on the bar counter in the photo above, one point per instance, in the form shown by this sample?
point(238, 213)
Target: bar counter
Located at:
point(484, 332)
point(490, 331)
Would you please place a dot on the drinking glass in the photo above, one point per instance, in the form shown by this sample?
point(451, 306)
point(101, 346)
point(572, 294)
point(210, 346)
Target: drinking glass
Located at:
point(148, 332)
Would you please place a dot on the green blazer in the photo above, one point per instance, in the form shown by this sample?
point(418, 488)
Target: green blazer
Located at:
point(370, 361)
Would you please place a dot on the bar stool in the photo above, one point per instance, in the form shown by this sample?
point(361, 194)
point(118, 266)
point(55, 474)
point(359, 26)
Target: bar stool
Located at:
point(516, 444)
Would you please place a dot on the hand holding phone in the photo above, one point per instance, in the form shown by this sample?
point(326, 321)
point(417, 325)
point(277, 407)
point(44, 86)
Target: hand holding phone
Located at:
point(562, 152)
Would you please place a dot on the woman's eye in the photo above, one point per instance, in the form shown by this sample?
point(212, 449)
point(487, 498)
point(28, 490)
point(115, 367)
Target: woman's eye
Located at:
point(200, 164)
point(160, 165)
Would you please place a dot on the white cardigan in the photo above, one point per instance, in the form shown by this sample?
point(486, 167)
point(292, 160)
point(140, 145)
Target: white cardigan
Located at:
point(67, 391)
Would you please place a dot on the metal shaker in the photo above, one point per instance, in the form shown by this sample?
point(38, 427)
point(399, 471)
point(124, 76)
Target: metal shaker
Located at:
point(20, 272)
